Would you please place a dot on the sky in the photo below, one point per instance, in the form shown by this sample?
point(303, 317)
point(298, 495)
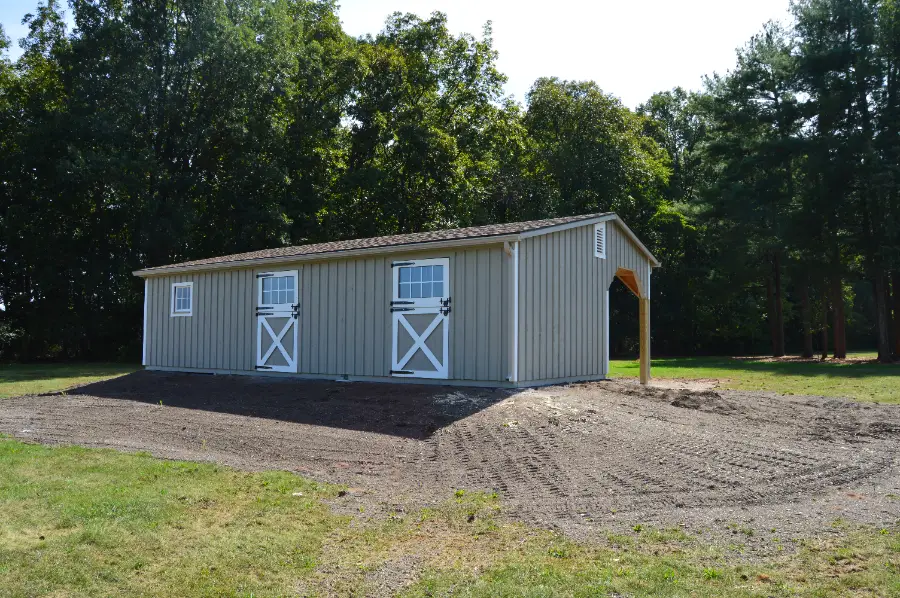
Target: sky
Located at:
point(630, 48)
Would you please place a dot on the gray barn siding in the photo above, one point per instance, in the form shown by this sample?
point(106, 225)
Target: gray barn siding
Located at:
point(562, 291)
point(345, 325)
point(216, 336)
point(345, 322)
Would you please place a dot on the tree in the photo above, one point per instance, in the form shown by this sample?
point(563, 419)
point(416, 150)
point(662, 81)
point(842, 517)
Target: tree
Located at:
point(591, 153)
point(418, 157)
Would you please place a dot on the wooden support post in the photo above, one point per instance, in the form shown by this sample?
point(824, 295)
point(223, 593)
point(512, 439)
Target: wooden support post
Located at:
point(645, 339)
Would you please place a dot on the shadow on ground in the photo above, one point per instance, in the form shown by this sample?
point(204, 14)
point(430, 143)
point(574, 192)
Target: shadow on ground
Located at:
point(413, 411)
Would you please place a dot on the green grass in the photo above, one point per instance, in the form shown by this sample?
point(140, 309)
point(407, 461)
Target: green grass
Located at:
point(861, 380)
point(17, 379)
point(87, 522)
point(82, 522)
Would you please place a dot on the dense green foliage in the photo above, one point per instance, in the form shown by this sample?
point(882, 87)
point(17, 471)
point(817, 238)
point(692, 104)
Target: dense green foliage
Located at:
point(159, 131)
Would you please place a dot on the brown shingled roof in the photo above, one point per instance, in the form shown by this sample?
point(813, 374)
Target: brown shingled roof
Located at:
point(475, 232)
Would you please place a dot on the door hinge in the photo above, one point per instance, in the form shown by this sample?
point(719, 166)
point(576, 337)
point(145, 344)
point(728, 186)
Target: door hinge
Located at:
point(396, 264)
point(266, 275)
point(393, 309)
point(264, 367)
point(404, 372)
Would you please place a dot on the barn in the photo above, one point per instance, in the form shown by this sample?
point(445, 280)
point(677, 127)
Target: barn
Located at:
point(517, 304)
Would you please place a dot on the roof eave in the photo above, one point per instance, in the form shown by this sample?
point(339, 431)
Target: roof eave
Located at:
point(587, 222)
point(634, 238)
point(329, 255)
point(568, 225)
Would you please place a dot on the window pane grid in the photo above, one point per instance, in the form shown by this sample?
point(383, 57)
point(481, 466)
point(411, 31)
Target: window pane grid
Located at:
point(421, 282)
point(278, 290)
point(182, 302)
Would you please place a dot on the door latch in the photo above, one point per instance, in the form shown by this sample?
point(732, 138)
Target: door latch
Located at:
point(445, 306)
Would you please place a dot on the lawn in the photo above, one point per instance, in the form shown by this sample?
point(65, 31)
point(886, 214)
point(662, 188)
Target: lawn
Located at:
point(860, 379)
point(88, 522)
point(17, 379)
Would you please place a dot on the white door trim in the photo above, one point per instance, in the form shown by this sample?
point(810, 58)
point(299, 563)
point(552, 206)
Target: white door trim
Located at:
point(438, 307)
point(264, 312)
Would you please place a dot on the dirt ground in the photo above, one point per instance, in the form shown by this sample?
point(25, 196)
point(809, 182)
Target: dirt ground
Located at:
point(742, 467)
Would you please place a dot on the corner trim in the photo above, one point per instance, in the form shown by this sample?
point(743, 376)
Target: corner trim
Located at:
point(514, 377)
point(144, 333)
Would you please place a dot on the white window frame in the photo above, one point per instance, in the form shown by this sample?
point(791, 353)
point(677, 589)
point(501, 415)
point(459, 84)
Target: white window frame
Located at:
point(279, 307)
point(190, 311)
point(426, 301)
point(600, 227)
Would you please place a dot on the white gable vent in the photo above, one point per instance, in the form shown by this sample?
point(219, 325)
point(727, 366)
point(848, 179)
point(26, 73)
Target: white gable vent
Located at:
point(600, 240)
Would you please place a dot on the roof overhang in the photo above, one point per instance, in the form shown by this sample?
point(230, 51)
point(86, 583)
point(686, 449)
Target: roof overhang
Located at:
point(401, 248)
point(328, 255)
point(634, 239)
point(605, 218)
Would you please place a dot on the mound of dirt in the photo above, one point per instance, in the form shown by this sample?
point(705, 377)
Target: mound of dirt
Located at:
point(708, 401)
point(579, 458)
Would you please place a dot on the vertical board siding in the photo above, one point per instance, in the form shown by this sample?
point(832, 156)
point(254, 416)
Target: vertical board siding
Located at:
point(562, 298)
point(345, 322)
point(216, 336)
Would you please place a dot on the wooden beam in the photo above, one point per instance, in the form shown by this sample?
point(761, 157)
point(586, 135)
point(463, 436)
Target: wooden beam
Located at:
point(629, 280)
point(644, 315)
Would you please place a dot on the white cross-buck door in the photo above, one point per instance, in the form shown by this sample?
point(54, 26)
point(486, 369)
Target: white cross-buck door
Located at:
point(277, 308)
point(420, 318)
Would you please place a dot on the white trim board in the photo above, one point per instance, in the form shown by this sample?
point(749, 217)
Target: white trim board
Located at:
point(144, 334)
point(514, 376)
point(380, 379)
point(605, 369)
point(569, 225)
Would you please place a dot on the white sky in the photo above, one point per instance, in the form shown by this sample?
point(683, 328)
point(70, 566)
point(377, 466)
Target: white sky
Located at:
point(630, 48)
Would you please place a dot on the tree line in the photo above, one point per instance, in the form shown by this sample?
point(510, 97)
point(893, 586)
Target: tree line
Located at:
point(156, 131)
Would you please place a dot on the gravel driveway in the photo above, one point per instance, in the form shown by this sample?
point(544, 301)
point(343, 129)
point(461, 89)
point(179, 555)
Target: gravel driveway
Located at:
point(581, 458)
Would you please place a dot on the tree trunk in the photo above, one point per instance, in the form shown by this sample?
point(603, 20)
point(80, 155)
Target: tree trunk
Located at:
point(779, 308)
point(807, 323)
point(888, 309)
point(773, 325)
point(825, 326)
point(840, 319)
point(882, 325)
point(896, 285)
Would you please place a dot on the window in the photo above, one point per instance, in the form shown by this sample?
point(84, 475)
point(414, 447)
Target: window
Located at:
point(421, 282)
point(182, 298)
point(600, 240)
point(278, 290)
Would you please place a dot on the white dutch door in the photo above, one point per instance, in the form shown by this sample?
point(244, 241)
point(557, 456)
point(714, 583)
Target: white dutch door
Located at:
point(276, 321)
point(420, 318)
